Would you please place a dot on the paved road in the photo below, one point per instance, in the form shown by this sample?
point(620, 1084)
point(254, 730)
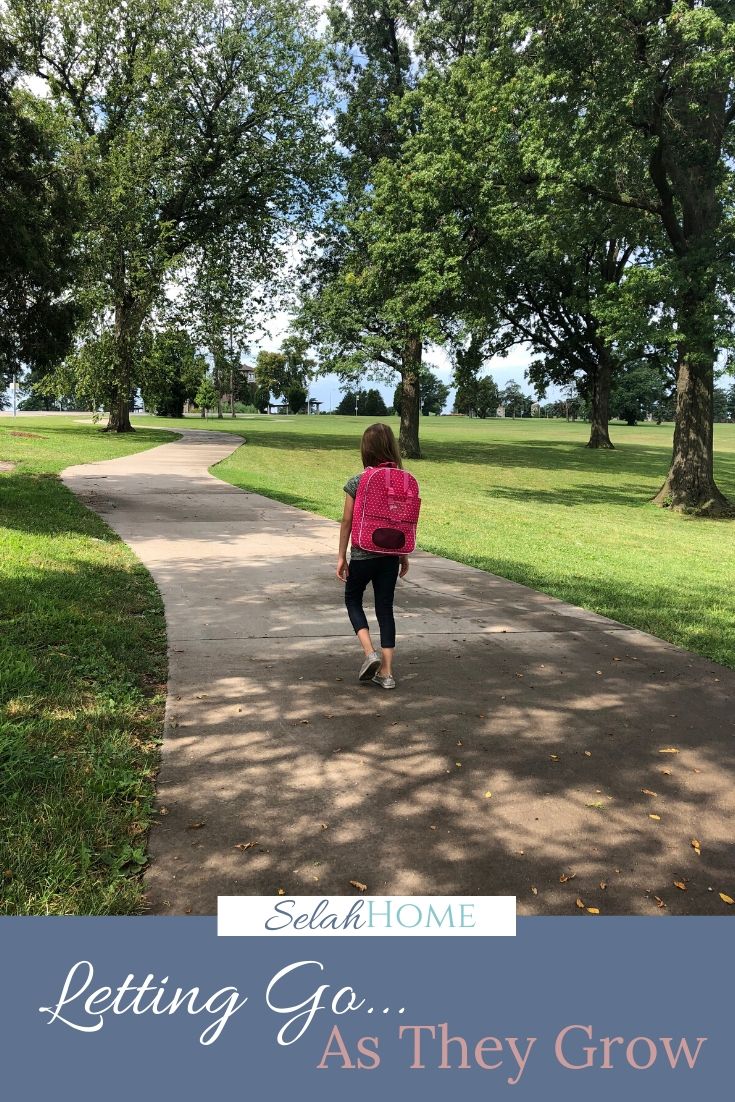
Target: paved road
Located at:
point(522, 753)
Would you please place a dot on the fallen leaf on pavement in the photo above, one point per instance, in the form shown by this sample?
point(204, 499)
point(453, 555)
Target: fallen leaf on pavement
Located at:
point(588, 753)
point(554, 757)
point(697, 846)
point(245, 845)
point(593, 910)
point(680, 885)
point(603, 884)
point(659, 901)
point(535, 891)
point(196, 826)
point(566, 876)
point(727, 899)
point(580, 903)
point(654, 817)
point(360, 887)
point(669, 750)
point(488, 795)
point(648, 792)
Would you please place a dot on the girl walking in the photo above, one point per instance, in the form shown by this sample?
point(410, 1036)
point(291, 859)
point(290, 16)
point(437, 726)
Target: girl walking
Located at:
point(379, 449)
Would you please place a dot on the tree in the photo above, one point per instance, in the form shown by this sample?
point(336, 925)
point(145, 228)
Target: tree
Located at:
point(634, 105)
point(373, 404)
point(487, 397)
point(731, 402)
point(369, 403)
point(349, 405)
point(206, 395)
point(719, 404)
point(517, 404)
point(434, 393)
point(526, 265)
point(38, 216)
point(261, 398)
point(369, 297)
point(172, 373)
point(636, 393)
point(218, 296)
point(270, 373)
point(281, 373)
point(296, 397)
point(187, 118)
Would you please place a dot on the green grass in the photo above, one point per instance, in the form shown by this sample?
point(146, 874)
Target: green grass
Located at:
point(82, 677)
point(527, 500)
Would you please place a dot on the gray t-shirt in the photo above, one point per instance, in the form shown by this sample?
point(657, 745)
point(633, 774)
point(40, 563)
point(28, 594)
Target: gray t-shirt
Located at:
point(350, 487)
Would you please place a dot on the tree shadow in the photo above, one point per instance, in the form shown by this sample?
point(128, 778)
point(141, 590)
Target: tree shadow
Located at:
point(506, 761)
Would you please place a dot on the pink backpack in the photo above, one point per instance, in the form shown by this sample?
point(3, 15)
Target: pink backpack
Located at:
point(386, 511)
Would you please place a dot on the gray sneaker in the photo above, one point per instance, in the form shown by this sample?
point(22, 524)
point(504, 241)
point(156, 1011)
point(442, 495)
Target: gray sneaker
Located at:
point(385, 681)
point(369, 666)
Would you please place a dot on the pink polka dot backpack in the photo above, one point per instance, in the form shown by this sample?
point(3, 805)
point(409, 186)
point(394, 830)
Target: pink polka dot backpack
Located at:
point(386, 511)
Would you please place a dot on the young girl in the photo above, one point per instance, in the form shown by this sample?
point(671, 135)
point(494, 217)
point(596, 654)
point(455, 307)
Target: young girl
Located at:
point(378, 446)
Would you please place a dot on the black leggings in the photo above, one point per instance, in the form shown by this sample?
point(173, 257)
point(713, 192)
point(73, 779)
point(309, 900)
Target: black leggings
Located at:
point(383, 573)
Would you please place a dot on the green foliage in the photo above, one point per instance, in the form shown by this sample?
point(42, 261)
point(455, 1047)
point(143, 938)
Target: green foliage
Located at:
point(370, 284)
point(296, 397)
point(38, 213)
point(206, 395)
point(172, 373)
point(187, 121)
point(634, 107)
point(637, 392)
point(517, 404)
point(364, 403)
point(720, 410)
point(261, 398)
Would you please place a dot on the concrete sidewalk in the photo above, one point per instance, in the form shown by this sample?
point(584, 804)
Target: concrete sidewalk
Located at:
point(526, 750)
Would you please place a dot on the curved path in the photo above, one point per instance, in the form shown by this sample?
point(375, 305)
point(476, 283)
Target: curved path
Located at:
point(521, 753)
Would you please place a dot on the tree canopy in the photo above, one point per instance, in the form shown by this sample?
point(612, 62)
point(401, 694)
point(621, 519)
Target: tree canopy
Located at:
point(187, 120)
point(38, 219)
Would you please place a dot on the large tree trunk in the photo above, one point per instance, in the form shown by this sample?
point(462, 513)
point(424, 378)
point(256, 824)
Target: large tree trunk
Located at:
point(600, 402)
point(408, 440)
point(126, 332)
point(690, 484)
point(119, 420)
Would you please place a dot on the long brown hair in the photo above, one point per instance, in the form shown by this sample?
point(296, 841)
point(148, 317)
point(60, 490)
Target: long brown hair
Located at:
point(379, 445)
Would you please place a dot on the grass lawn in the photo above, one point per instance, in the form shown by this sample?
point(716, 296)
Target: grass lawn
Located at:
point(526, 499)
point(82, 676)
